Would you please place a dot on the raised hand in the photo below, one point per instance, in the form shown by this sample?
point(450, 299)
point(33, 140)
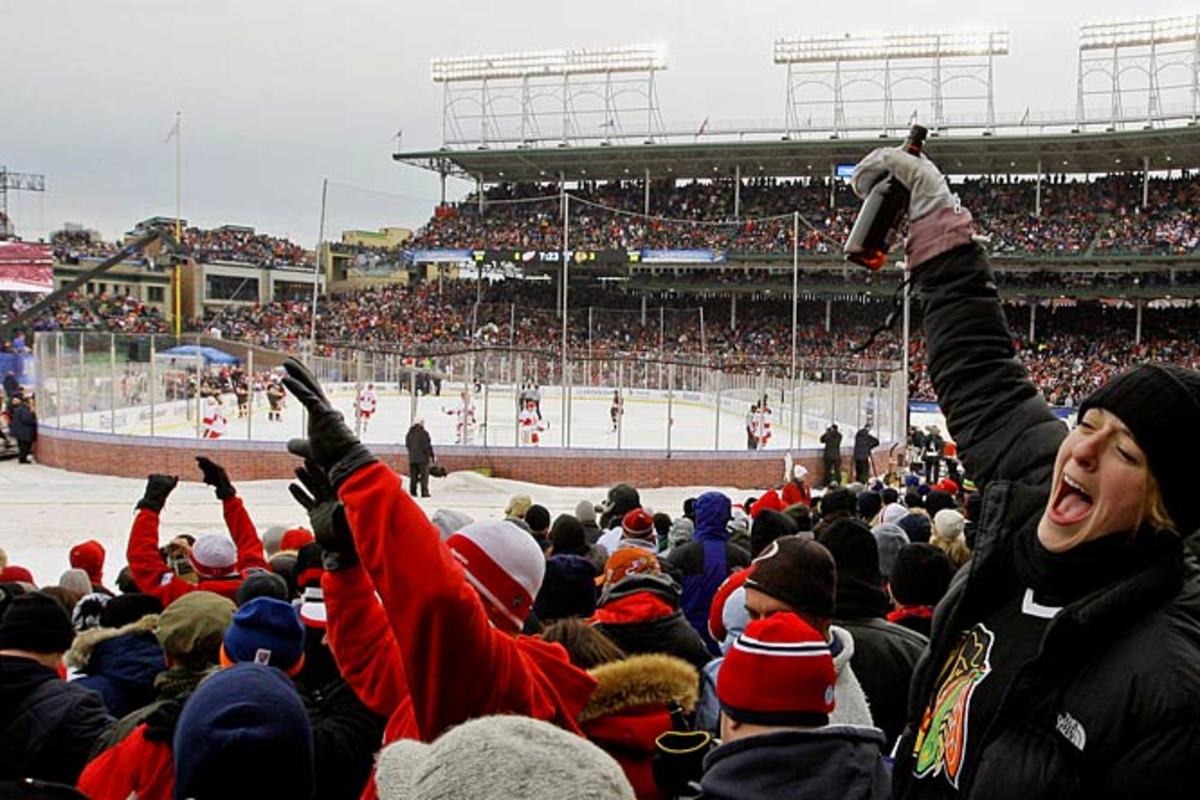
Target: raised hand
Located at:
point(926, 184)
point(327, 516)
point(216, 477)
point(330, 443)
point(158, 488)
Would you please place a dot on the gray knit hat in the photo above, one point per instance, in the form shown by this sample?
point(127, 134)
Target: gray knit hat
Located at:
point(498, 758)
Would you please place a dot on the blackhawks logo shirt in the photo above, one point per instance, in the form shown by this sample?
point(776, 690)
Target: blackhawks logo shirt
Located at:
point(970, 687)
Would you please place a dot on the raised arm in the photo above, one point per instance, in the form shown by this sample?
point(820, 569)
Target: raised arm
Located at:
point(145, 563)
point(237, 520)
point(1001, 423)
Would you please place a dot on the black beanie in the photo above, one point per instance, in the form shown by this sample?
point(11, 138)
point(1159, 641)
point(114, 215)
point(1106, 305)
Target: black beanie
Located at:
point(921, 575)
point(797, 571)
point(567, 536)
point(869, 504)
point(837, 499)
point(938, 500)
point(261, 583)
point(768, 526)
point(854, 550)
point(36, 622)
point(1160, 404)
point(127, 608)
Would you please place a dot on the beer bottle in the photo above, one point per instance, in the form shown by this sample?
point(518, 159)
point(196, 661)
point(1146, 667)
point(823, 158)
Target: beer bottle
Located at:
point(881, 212)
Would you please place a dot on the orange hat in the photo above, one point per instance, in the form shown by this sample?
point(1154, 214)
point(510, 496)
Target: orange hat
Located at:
point(628, 561)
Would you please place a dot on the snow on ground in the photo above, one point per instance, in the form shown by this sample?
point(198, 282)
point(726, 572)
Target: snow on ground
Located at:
point(47, 511)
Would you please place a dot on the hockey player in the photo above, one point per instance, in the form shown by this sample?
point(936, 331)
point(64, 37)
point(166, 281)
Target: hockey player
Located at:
point(275, 394)
point(464, 428)
point(617, 410)
point(214, 418)
point(364, 406)
point(530, 424)
point(762, 424)
point(242, 390)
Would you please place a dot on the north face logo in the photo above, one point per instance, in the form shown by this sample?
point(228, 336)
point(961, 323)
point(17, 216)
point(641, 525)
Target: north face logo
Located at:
point(1069, 727)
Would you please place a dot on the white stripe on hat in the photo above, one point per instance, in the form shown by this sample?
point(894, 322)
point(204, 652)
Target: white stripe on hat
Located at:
point(749, 644)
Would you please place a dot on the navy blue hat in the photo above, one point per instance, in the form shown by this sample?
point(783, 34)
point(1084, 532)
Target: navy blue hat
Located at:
point(265, 631)
point(235, 730)
point(917, 526)
point(568, 589)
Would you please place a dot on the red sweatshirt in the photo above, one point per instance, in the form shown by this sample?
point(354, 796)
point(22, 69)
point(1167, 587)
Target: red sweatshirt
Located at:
point(457, 665)
point(134, 767)
point(150, 571)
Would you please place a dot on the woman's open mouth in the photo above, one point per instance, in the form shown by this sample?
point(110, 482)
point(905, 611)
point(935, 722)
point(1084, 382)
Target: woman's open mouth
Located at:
point(1070, 504)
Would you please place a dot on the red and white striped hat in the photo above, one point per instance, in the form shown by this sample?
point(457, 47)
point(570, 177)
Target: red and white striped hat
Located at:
point(214, 556)
point(503, 563)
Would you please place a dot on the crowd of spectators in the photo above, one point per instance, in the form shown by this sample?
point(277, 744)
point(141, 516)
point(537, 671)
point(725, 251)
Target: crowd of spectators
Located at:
point(101, 311)
point(1078, 217)
point(244, 246)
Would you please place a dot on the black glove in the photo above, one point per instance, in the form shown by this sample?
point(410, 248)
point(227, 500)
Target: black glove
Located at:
point(327, 516)
point(158, 487)
point(679, 761)
point(216, 477)
point(330, 443)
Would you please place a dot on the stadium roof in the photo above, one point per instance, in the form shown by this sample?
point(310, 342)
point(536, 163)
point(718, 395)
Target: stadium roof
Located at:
point(1085, 152)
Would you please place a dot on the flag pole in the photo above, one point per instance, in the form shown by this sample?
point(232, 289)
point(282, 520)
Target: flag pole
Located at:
point(178, 277)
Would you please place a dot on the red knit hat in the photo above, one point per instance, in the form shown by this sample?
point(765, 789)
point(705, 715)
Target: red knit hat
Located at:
point(778, 672)
point(296, 538)
point(503, 563)
point(15, 574)
point(638, 524)
point(89, 557)
point(769, 500)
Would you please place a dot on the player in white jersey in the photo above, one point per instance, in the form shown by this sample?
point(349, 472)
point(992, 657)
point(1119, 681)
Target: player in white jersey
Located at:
point(365, 403)
point(214, 418)
point(762, 424)
point(616, 410)
point(530, 425)
point(464, 428)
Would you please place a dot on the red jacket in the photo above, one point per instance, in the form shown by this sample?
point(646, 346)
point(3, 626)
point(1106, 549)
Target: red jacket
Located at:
point(628, 711)
point(796, 493)
point(134, 767)
point(456, 664)
point(150, 571)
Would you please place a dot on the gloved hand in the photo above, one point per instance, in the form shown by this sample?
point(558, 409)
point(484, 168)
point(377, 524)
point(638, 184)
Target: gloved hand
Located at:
point(216, 477)
point(679, 760)
point(327, 516)
point(158, 487)
point(927, 187)
point(330, 443)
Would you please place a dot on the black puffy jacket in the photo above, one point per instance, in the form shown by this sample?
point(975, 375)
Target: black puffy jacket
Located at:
point(1109, 707)
point(47, 727)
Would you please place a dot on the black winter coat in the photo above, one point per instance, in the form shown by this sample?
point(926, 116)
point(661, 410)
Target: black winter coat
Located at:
point(864, 443)
point(23, 423)
point(640, 613)
point(47, 727)
point(833, 444)
point(1109, 707)
point(837, 762)
point(346, 736)
point(419, 445)
point(885, 654)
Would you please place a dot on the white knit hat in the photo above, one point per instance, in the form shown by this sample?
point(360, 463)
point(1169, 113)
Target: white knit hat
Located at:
point(503, 563)
point(214, 555)
point(498, 758)
point(948, 524)
point(799, 472)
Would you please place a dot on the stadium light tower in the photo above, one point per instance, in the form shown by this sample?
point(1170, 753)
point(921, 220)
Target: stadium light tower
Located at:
point(16, 182)
point(1126, 59)
point(862, 70)
point(582, 94)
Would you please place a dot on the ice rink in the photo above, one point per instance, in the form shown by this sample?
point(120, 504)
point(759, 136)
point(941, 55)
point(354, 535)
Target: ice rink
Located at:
point(695, 422)
point(47, 511)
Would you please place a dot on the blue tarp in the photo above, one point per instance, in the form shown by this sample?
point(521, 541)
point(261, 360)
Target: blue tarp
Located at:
point(211, 355)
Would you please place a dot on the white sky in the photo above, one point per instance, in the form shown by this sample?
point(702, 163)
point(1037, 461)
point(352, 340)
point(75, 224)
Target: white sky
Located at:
point(278, 94)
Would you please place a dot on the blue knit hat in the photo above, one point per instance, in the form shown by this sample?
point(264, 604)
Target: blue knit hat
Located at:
point(265, 631)
point(234, 727)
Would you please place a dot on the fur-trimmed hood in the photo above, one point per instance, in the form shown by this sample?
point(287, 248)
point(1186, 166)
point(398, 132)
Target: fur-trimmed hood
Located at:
point(85, 643)
point(641, 680)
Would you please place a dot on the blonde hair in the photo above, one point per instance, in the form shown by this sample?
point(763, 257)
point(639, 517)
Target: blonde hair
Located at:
point(1154, 508)
point(955, 549)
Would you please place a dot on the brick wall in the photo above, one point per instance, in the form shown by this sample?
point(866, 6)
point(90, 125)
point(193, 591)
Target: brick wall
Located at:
point(137, 456)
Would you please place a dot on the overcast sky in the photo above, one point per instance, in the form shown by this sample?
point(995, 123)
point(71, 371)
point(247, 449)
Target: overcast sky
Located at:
point(278, 94)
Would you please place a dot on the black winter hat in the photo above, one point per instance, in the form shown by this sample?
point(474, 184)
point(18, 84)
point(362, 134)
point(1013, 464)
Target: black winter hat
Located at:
point(261, 583)
point(838, 499)
point(921, 575)
point(937, 500)
point(890, 495)
point(567, 536)
point(854, 550)
point(918, 527)
point(768, 526)
point(127, 608)
point(869, 504)
point(797, 571)
point(1160, 404)
point(36, 622)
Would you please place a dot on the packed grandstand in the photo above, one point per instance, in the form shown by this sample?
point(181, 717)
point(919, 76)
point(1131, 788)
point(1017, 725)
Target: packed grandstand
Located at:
point(1080, 260)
